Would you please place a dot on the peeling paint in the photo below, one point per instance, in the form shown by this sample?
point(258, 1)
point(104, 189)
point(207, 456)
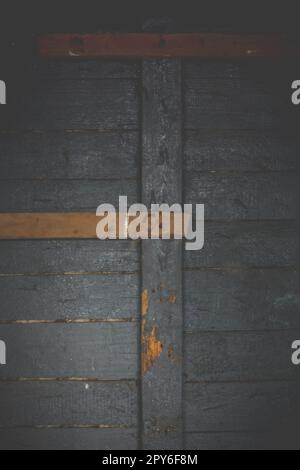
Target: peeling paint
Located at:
point(151, 346)
point(172, 356)
point(145, 302)
point(152, 349)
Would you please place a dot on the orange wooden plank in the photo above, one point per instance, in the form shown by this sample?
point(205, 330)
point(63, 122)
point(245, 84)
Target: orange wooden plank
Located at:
point(149, 45)
point(78, 225)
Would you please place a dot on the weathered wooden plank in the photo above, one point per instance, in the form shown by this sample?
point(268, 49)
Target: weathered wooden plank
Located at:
point(69, 155)
point(165, 45)
point(237, 407)
point(236, 151)
point(258, 68)
point(104, 350)
point(63, 195)
point(84, 69)
point(69, 298)
point(230, 356)
point(247, 245)
point(68, 439)
point(242, 300)
point(239, 104)
point(68, 403)
point(162, 318)
point(71, 104)
point(233, 441)
point(17, 226)
point(245, 196)
point(20, 226)
point(68, 256)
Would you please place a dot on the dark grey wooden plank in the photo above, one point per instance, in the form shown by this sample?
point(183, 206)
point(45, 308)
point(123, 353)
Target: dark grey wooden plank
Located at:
point(63, 196)
point(245, 196)
point(104, 350)
point(68, 403)
point(242, 407)
point(239, 300)
point(228, 356)
point(84, 69)
point(71, 104)
point(248, 244)
point(67, 155)
point(227, 103)
point(68, 439)
point(53, 298)
point(234, 441)
point(241, 151)
point(68, 256)
point(259, 69)
point(162, 260)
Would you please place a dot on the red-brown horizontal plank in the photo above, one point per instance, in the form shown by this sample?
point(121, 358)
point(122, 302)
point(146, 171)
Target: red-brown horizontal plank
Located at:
point(134, 45)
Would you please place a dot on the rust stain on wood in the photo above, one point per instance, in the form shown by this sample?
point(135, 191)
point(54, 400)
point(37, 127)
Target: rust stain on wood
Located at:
point(152, 349)
point(151, 346)
point(145, 302)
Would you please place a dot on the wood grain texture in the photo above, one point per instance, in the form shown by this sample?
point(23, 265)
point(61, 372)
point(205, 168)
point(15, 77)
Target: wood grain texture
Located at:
point(69, 298)
point(245, 407)
point(240, 356)
point(246, 245)
point(162, 318)
point(105, 351)
point(68, 256)
point(69, 155)
point(63, 195)
point(241, 300)
point(68, 439)
point(165, 45)
point(83, 69)
point(238, 441)
point(240, 151)
point(30, 226)
point(229, 103)
point(68, 404)
point(47, 104)
point(248, 197)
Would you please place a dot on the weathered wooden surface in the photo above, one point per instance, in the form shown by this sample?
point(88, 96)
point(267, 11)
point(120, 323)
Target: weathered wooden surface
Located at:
point(68, 403)
point(240, 407)
point(47, 104)
point(233, 151)
point(75, 298)
point(232, 441)
point(226, 103)
point(240, 355)
point(242, 300)
point(245, 196)
point(68, 439)
point(79, 225)
point(68, 257)
point(96, 350)
point(242, 290)
point(69, 155)
point(248, 245)
point(165, 45)
point(63, 195)
point(162, 320)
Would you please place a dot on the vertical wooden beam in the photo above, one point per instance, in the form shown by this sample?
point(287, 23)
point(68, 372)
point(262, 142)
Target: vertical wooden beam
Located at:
point(162, 317)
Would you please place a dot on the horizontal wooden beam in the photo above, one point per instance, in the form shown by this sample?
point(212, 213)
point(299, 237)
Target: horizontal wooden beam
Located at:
point(149, 45)
point(75, 225)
